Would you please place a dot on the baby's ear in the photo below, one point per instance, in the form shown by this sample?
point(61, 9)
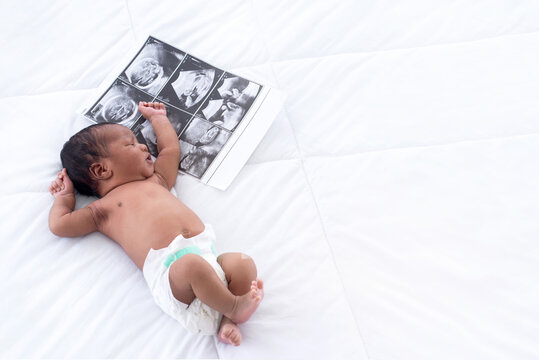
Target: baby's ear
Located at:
point(100, 171)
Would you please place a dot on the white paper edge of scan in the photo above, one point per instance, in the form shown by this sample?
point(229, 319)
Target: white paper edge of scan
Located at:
point(231, 159)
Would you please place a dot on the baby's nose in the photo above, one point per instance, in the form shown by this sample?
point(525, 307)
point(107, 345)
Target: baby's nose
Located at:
point(144, 147)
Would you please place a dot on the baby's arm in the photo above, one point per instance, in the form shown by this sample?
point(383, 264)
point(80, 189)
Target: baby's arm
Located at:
point(168, 145)
point(63, 221)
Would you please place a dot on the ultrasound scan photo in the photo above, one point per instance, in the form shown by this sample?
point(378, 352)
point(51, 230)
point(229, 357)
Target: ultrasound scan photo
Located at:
point(204, 104)
point(153, 66)
point(228, 103)
point(119, 105)
point(190, 84)
point(200, 144)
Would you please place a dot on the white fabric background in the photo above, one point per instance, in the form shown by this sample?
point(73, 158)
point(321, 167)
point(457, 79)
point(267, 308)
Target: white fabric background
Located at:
point(391, 208)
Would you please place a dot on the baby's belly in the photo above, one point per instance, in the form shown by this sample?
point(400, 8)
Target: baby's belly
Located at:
point(155, 228)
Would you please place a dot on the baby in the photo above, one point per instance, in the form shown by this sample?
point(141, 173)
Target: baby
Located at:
point(163, 237)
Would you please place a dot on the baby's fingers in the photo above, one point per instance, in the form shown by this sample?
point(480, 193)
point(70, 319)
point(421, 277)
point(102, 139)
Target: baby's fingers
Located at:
point(55, 187)
point(62, 184)
point(66, 179)
point(58, 184)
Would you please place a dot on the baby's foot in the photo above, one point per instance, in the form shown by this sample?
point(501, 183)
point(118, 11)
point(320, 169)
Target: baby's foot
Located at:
point(150, 109)
point(247, 304)
point(229, 333)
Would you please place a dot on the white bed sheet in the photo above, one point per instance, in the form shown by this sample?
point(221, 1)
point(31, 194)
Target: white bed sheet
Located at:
point(391, 207)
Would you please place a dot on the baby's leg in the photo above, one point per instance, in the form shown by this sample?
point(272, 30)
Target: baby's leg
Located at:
point(191, 276)
point(240, 272)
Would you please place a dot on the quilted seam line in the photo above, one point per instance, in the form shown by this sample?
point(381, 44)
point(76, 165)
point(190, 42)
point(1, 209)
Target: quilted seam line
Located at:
point(396, 148)
point(306, 176)
point(301, 158)
point(319, 214)
point(130, 20)
point(416, 147)
point(396, 49)
point(271, 60)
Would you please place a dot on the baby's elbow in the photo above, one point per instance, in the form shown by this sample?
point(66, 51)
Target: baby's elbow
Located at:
point(170, 182)
point(55, 229)
point(171, 185)
point(58, 228)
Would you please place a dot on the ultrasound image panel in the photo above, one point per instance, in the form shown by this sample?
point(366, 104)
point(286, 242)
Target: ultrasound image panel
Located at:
point(153, 66)
point(119, 105)
point(200, 143)
point(190, 84)
point(229, 101)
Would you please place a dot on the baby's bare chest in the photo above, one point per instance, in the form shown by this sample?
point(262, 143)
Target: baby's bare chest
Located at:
point(149, 212)
point(137, 206)
point(143, 217)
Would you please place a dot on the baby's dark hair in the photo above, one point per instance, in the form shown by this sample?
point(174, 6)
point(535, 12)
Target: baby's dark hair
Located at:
point(79, 153)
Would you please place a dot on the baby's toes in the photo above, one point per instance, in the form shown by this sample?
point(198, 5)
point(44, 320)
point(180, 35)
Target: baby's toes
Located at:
point(255, 295)
point(235, 338)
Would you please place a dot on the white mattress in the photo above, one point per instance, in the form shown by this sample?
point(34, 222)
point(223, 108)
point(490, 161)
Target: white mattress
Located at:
point(391, 208)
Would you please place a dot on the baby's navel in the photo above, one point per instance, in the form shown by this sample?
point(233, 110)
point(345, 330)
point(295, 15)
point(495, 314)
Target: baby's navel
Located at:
point(120, 204)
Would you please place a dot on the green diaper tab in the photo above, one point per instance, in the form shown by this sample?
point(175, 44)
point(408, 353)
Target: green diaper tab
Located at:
point(178, 254)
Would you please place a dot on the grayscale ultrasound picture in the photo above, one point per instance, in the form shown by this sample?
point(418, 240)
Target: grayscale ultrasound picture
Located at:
point(229, 101)
point(119, 105)
point(190, 84)
point(145, 134)
point(204, 104)
point(200, 143)
point(153, 66)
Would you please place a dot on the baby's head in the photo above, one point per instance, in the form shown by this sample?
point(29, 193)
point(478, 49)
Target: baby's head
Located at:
point(104, 152)
point(83, 149)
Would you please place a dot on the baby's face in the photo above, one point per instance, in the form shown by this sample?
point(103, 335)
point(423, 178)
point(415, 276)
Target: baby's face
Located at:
point(127, 158)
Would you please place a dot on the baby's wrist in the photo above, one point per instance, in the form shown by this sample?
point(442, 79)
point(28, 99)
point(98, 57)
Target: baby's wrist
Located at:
point(68, 195)
point(157, 118)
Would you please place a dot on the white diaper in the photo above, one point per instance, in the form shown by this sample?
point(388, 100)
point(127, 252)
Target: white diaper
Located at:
point(196, 317)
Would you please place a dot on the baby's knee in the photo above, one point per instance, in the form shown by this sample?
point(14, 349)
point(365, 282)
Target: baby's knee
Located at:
point(246, 257)
point(236, 262)
point(188, 264)
point(246, 263)
point(233, 258)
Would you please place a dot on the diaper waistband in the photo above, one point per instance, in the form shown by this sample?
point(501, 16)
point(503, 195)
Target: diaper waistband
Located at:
point(178, 254)
point(200, 244)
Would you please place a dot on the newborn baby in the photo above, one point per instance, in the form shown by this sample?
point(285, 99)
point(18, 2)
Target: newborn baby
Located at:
point(207, 293)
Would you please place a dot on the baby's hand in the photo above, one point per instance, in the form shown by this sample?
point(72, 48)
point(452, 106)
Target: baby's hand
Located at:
point(62, 185)
point(151, 109)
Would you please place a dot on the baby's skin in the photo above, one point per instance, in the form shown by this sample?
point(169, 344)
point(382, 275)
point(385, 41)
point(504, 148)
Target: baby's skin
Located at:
point(137, 210)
